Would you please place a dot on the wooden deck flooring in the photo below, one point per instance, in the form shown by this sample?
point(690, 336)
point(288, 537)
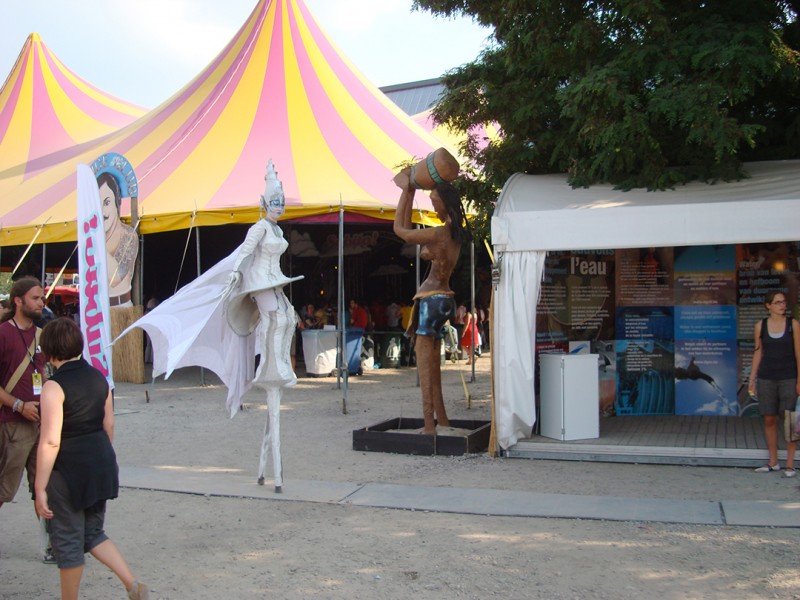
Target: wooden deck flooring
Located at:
point(720, 441)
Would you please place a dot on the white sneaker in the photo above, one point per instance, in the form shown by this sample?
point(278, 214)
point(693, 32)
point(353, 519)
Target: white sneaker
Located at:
point(789, 473)
point(768, 469)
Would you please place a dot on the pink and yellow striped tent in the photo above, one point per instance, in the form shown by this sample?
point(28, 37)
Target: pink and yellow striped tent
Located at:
point(280, 89)
point(45, 108)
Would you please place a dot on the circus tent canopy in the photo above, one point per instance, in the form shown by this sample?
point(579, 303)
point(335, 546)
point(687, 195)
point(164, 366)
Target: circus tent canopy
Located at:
point(279, 90)
point(46, 108)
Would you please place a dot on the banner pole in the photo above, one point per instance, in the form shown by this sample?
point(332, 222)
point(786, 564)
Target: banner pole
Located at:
point(199, 272)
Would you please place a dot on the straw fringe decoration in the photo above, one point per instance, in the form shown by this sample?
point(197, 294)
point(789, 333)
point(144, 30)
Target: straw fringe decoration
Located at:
point(128, 353)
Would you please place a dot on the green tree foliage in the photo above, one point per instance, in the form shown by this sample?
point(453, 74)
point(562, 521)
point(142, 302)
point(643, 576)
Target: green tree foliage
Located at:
point(5, 283)
point(636, 93)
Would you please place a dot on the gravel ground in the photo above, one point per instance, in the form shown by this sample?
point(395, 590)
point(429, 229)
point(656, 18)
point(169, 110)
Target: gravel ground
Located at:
point(188, 546)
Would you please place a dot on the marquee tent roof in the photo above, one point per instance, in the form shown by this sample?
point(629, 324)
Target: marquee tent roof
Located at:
point(280, 89)
point(45, 108)
point(542, 212)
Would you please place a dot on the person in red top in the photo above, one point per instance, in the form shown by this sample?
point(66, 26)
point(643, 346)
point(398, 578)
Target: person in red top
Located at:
point(358, 316)
point(21, 378)
point(377, 311)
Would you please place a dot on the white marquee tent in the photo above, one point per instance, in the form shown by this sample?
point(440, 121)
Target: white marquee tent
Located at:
point(538, 213)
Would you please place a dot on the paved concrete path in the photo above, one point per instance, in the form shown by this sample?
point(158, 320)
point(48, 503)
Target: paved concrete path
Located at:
point(762, 513)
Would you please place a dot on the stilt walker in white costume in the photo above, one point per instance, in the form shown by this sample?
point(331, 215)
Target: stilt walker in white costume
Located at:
point(256, 302)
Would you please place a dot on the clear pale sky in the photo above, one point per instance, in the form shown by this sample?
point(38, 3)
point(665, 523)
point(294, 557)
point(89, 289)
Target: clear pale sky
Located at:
point(145, 50)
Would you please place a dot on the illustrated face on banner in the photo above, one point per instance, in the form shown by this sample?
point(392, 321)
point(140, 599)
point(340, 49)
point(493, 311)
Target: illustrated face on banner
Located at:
point(122, 243)
point(108, 203)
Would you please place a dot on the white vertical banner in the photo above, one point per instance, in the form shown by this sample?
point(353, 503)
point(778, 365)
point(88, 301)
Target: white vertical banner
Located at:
point(95, 311)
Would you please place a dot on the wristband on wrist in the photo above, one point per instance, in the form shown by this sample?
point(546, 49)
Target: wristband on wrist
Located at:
point(18, 406)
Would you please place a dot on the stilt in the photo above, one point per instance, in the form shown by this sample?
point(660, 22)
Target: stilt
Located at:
point(272, 440)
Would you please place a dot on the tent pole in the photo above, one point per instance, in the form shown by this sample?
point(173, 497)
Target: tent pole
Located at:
point(291, 263)
point(339, 346)
point(149, 391)
point(197, 248)
point(44, 262)
point(57, 278)
point(185, 250)
point(472, 302)
point(199, 272)
point(342, 347)
point(28, 249)
point(139, 264)
point(139, 276)
point(418, 269)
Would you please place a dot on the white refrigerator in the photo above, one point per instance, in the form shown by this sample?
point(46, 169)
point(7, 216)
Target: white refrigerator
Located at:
point(569, 392)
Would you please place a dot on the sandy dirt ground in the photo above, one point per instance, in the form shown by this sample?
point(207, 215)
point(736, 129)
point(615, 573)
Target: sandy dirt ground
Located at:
point(190, 546)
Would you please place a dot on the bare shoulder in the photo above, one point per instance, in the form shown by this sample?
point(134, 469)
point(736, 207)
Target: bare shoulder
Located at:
point(51, 390)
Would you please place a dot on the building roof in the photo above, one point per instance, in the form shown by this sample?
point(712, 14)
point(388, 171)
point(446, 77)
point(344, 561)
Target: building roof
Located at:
point(416, 96)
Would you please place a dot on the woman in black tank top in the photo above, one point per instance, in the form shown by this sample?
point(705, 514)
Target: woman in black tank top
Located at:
point(774, 375)
point(77, 468)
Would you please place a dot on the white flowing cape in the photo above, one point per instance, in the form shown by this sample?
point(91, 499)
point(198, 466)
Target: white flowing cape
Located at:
point(191, 329)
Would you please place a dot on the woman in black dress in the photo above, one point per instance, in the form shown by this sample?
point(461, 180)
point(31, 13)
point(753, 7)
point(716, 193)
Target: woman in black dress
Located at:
point(77, 467)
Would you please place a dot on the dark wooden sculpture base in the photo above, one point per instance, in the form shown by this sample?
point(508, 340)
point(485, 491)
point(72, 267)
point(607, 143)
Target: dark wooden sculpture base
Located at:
point(400, 436)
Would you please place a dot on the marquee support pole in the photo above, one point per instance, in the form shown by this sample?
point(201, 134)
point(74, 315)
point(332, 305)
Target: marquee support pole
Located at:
point(472, 303)
point(44, 263)
point(342, 342)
